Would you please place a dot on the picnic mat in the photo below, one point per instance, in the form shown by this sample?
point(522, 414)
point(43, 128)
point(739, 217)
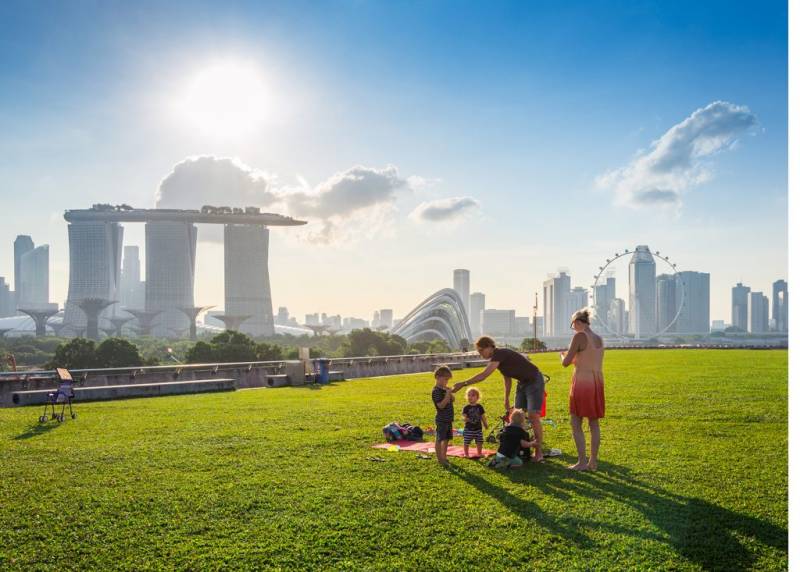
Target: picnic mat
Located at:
point(452, 450)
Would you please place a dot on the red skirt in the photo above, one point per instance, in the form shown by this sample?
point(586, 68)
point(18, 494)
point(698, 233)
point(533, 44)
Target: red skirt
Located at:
point(587, 395)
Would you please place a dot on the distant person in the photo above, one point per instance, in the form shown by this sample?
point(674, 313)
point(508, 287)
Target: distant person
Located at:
point(586, 394)
point(442, 396)
point(474, 416)
point(512, 440)
point(530, 383)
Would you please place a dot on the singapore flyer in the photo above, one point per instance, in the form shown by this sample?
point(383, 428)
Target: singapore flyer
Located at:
point(642, 299)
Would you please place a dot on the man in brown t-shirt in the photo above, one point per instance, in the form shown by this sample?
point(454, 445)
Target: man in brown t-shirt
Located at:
point(530, 383)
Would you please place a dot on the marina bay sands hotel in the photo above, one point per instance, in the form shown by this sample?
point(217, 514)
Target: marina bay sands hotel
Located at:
point(95, 257)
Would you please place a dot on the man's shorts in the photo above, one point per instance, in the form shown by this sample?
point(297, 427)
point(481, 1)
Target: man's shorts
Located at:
point(444, 431)
point(470, 435)
point(502, 462)
point(530, 394)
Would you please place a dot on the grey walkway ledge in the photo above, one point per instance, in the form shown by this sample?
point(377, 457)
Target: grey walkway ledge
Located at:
point(104, 392)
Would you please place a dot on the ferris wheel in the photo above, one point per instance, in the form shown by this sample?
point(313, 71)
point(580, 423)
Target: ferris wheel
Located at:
point(680, 303)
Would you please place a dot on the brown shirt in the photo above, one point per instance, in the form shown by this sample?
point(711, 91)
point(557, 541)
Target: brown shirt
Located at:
point(514, 365)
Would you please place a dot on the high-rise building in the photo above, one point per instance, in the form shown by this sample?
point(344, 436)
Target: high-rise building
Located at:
point(604, 293)
point(461, 285)
point(759, 313)
point(22, 244)
point(282, 319)
point(355, 323)
point(247, 287)
point(132, 288)
point(642, 293)
point(7, 303)
point(385, 319)
point(666, 302)
point(95, 253)
point(695, 318)
point(618, 317)
point(34, 268)
point(522, 326)
point(538, 331)
point(170, 260)
point(312, 319)
point(717, 325)
point(376, 319)
point(740, 296)
point(477, 304)
point(780, 305)
point(556, 305)
point(498, 322)
point(577, 299)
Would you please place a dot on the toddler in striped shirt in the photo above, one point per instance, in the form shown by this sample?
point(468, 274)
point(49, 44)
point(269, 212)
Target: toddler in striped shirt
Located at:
point(474, 416)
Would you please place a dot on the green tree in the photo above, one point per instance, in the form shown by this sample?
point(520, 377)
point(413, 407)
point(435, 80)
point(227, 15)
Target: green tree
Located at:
point(230, 346)
point(201, 352)
point(117, 352)
point(268, 352)
point(78, 353)
point(367, 342)
point(532, 345)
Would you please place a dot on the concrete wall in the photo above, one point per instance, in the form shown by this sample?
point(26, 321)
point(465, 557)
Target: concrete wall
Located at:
point(246, 374)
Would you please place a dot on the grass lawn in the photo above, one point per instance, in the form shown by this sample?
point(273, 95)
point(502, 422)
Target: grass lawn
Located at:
point(693, 475)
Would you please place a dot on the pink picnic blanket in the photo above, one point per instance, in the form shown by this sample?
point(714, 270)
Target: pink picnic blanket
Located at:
point(452, 450)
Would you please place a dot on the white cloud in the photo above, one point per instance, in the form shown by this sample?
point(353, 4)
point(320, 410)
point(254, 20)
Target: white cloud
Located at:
point(679, 160)
point(450, 209)
point(351, 204)
point(216, 181)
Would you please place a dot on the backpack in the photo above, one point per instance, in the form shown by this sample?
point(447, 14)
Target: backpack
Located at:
point(394, 432)
point(412, 432)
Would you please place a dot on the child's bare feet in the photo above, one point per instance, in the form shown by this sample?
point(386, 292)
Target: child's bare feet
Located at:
point(592, 465)
point(579, 467)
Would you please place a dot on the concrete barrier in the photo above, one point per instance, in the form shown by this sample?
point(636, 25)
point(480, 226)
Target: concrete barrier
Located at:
point(105, 392)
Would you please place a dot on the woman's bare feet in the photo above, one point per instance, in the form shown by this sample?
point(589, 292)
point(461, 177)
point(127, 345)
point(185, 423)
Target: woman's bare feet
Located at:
point(592, 465)
point(579, 467)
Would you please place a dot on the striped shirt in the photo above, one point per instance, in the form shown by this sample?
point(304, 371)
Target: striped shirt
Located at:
point(446, 414)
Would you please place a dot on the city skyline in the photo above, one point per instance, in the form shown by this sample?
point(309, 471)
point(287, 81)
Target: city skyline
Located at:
point(472, 166)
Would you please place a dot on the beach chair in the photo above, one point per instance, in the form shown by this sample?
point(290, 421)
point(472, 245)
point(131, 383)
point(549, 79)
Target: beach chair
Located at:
point(62, 396)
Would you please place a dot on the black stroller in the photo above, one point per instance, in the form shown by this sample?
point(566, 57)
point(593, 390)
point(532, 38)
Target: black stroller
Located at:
point(62, 396)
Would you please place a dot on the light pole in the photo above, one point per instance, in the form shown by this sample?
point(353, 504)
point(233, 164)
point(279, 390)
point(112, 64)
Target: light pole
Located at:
point(535, 309)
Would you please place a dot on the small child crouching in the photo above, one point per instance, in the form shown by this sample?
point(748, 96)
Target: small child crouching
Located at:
point(474, 417)
point(512, 439)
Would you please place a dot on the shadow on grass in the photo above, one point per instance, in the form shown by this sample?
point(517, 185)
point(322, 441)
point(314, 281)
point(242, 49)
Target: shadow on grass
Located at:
point(36, 429)
point(706, 534)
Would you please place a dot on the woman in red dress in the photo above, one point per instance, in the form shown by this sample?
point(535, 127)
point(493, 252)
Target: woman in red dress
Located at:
point(586, 395)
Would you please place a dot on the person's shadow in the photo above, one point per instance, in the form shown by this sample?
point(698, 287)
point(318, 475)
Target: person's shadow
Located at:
point(706, 534)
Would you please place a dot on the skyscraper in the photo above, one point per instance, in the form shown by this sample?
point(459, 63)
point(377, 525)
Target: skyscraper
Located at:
point(132, 289)
point(696, 315)
point(385, 319)
point(556, 300)
point(461, 285)
point(95, 251)
point(523, 327)
point(170, 259)
point(282, 319)
point(666, 302)
point(780, 305)
point(642, 293)
point(247, 287)
point(739, 306)
point(7, 305)
point(618, 317)
point(477, 304)
point(604, 293)
point(759, 313)
point(22, 244)
point(499, 322)
point(577, 299)
point(34, 269)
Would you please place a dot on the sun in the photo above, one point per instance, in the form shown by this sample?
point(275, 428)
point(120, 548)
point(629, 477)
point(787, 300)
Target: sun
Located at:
point(225, 99)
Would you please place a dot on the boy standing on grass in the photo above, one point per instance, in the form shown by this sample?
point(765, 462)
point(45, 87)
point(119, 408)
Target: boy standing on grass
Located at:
point(442, 396)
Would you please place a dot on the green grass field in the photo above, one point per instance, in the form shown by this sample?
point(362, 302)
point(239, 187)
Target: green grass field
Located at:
point(693, 475)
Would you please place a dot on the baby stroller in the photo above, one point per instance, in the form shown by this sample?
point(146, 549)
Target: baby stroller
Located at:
point(63, 396)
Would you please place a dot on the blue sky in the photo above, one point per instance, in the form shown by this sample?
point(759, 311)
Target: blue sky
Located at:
point(520, 106)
